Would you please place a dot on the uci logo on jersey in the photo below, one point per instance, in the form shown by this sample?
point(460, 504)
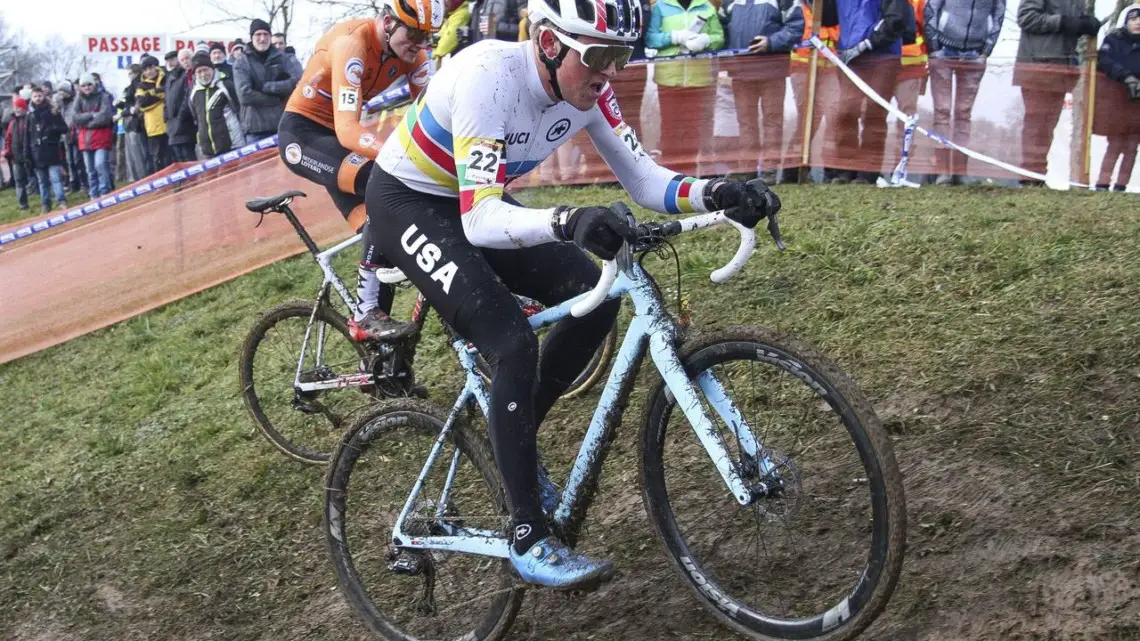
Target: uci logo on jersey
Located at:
point(427, 257)
point(518, 138)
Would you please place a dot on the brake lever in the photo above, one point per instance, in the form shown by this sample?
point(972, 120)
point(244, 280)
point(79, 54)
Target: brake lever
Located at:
point(774, 230)
point(624, 257)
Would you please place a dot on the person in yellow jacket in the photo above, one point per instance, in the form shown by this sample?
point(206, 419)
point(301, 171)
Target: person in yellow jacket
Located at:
point(150, 99)
point(455, 32)
point(686, 89)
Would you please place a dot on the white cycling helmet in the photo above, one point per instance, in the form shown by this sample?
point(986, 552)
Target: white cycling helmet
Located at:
point(609, 19)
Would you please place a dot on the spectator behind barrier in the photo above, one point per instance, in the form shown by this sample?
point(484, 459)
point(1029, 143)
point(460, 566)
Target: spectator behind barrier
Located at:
point(1118, 103)
point(455, 34)
point(767, 28)
point(16, 149)
point(64, 98)
point(171, 59)
point(279, 43)
point(826, 80)
point(214, 109)
point(180, 128)
point(45, 128)
point(264, 83)
point(139, 162)
point(150, 98)
point(218, 58)
point(675, 27)
point(94, 115)
point(870, 42)
point(498, 19)
point(1049, 33)
point(960, 35)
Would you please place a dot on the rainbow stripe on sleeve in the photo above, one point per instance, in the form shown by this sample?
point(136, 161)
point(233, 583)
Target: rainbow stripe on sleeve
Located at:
point(677, 195)
point(428, 145)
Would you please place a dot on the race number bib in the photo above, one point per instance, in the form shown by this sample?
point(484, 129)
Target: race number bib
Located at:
point(483, 160)
point(348, 99)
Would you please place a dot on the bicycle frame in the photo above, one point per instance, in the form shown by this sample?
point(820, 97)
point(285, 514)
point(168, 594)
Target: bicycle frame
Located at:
point(651, 328)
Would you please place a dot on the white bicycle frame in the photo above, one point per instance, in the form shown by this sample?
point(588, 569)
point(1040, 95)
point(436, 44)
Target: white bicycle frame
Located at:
point(652, 326)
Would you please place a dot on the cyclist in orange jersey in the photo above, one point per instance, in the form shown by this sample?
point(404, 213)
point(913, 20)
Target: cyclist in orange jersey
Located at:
point(322, 139)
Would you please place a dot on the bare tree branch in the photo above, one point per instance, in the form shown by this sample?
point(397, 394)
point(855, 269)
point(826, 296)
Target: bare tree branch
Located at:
point(278, 13)
point(351, 8)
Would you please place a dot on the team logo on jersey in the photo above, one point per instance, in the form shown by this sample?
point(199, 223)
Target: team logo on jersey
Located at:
point(421, 75)
point(558, 129)
point(367, 140)
point(356, 159)
point(307, 91)
point(293, 153)
point(612, 104)
point(354, 71)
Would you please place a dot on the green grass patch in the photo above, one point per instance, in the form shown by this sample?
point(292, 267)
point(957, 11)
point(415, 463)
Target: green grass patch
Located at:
point(988, 324)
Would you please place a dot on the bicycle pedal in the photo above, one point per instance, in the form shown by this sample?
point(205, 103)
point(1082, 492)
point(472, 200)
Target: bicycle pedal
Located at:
point(407, 565)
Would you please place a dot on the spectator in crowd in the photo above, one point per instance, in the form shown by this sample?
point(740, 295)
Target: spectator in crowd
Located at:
point(1049, 33)
point(295, 67)
point(214, 108)
point(826, 80)
point(960, 35)
point(455, 34)
point(76, 173)
point(497, 19)
point(264, 83)
point(151, 100)
point(171, 59)
point(121, 166)
point(180, 128)
point(16, 149)
point(94, 115)
point(139, 162)
point(1119, 59)
point(45, 128)
point(767, 28)
point(870, 42)
point(218, 58)
point(911, 81)
point(676, 27)
point(633, 79)
point(184, 60)
point(237, 50)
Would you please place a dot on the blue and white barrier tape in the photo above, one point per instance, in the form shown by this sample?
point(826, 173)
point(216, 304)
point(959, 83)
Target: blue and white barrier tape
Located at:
point(130, 193)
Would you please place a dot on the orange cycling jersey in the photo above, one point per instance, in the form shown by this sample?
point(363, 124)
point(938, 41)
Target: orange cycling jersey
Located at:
point(348, 68)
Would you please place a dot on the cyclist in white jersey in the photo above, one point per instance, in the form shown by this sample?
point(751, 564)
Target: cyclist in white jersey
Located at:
point(437, 210)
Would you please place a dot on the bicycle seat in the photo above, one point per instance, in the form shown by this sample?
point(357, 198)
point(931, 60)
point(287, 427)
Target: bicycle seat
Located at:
point(272, 203)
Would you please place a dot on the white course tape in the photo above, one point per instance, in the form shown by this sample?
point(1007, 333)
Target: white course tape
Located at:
point(830, 55)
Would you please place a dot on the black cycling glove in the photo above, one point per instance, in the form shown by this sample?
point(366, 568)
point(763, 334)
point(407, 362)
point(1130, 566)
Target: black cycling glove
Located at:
point(746, 203)
point(598, 230)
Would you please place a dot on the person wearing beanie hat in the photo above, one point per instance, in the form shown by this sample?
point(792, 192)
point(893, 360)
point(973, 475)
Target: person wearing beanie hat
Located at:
point(215, 109)
point(237, 49)
point(150, 98)
point(264, 80)
point(93, 115)
point(15, 149)
point(64, 100)
point(218, 57)
point(1119, 59)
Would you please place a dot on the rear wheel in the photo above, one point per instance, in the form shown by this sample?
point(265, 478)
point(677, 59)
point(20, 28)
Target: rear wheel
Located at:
point(819, 551)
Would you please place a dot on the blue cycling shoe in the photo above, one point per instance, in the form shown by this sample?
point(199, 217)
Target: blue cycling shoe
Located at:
point(551, 564)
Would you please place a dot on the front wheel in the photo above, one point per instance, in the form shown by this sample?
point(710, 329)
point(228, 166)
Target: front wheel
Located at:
point(818, 552)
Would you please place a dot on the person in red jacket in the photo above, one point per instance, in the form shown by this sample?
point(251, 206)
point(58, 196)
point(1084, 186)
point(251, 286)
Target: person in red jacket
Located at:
point(93, 117)
point(15, 149)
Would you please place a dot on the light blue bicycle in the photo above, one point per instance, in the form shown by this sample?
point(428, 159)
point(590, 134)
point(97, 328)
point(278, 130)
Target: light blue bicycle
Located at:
point(774, 489)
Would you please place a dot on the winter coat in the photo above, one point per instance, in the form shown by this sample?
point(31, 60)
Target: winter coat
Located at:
point(132, 119)
point(1041, 37)
point(782, 21)
point(16, 139)
point(179, 121)
point(1119, 58)
point(668, 16)
point(970, 25)
point(44, 131)
point(883, 22)
point(215, 115)
point(294, 65)
point(264, 83)
point(150, 98)
point(506, 14)
point(93, 116)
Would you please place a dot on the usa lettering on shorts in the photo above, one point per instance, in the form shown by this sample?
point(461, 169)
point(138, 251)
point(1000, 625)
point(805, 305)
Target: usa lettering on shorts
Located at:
point(428, 257)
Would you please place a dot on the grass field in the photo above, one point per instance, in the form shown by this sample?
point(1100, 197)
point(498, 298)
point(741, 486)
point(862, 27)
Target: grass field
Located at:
point(996, 332)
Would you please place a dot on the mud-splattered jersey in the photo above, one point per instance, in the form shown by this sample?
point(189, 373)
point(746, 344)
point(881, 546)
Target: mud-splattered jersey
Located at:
point(348, 68)
point(486, 118)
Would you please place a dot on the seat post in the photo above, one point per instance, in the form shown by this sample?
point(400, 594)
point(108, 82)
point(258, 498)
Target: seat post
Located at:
point(305, 238)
